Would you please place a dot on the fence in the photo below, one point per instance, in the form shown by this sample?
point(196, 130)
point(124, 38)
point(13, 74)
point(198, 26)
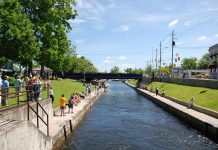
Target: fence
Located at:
point(15, 95)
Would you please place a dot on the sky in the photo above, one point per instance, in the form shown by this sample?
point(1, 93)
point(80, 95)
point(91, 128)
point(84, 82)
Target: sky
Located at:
point(126, 33)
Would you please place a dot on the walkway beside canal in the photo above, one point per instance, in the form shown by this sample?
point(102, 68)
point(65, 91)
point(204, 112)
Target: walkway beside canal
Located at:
point(198, 120)
point(62, 126)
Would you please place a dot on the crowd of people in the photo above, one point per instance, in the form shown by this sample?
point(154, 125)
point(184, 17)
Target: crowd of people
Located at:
point(33, 86)
point(74, 99)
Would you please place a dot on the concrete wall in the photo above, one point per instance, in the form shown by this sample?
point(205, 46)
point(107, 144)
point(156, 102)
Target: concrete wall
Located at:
point(23, 135)
point(191, 82)
point(20, 112)
point(209, 130)
point(59, 138)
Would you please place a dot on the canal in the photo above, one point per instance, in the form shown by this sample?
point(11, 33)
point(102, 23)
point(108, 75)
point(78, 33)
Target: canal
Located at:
point(125, 120)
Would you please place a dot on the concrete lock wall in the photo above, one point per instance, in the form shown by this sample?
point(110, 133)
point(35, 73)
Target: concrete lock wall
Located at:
point(20, 112)
point(70, 126)
point(190, 82)
point(22, 135)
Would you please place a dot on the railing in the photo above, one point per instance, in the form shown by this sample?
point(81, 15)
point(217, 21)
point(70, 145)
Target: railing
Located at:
point(29, 95)
point(15, 98)
point(38, 116)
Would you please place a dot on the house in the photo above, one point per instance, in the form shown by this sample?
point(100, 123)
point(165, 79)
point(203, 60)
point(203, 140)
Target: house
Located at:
point(213, 61)
point(47, 70)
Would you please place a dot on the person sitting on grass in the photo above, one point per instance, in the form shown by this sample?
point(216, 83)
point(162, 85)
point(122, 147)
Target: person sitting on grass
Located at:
point(151, 90)
point(163, 94)
point(192, 102)
point(63, 102)
point(82, 95)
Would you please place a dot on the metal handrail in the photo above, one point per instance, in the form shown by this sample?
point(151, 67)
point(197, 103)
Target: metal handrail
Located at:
point(38, 116)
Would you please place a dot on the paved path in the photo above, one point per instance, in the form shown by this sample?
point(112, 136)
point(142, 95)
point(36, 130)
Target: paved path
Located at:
point(201, 116)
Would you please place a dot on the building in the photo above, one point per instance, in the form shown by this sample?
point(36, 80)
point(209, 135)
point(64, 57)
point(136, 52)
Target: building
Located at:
point(190, 74)
point(213, 62)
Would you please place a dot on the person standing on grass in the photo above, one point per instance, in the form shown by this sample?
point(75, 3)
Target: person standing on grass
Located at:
point(63, 102)
point(17, 85)
point(51, 94)
point(156, 91)
point(4, 90)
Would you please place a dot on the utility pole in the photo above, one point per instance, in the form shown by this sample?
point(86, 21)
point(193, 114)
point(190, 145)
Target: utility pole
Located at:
point(156, 60)
point(173, 44)
point(152, 59)
point(160, 55)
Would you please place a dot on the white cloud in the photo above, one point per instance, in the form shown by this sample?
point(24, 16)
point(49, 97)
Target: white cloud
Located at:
point(122, 28)
point(173, 23)
point(216, 35)
point(80, 41)
point(187, 23)
point(108, 60)
point(84, 4)
point(202, 38)
point(121, 58)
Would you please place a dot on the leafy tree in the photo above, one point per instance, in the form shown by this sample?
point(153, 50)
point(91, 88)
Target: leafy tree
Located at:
point(17, 40)
point(115, 69)
point(81, 65)
point(129, 70)
point(203, 62)
point(51, 22)
point(189, 63)
point(139, 71)
point(149, 70)
point(165, 69)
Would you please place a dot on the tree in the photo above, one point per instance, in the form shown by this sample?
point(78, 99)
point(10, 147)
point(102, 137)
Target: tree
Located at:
point(129, 70)
point(189, 63)
point(203, 63)
point(81, 65)
point(17, 40)
point(51, 22)
point(115, 69)
point(149, 70)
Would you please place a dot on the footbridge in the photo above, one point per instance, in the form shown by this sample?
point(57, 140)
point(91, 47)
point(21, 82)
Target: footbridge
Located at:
point(101, 76)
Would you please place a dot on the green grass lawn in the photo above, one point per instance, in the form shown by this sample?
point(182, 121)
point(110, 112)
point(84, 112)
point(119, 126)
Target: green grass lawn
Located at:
point(204, 97)
point(66, 87)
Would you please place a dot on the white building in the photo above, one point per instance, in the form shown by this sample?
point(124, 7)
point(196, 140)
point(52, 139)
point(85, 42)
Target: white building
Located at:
point(213, 60)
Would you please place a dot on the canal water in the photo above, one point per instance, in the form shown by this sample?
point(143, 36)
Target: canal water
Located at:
point(125, 120)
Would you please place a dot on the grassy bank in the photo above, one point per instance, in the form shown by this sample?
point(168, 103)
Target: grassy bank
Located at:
point(66, 87)
point(204, 97)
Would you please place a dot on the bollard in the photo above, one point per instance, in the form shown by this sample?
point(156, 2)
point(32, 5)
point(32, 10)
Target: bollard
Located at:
point(65, 133)
point(71, 128)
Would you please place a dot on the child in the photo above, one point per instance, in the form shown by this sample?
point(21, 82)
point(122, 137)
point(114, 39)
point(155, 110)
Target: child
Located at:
point(63, 102)
point(70, 103)
point(51, 94)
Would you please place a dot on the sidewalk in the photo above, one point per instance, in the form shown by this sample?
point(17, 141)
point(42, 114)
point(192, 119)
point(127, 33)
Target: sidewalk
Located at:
point(198, 115)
